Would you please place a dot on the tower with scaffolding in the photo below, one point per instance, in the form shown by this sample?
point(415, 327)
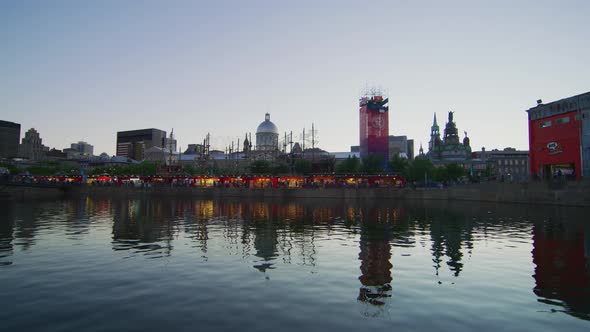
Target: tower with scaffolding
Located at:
point(374, 125)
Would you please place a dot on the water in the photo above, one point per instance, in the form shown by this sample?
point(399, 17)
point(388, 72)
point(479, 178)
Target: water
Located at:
point(148, 264)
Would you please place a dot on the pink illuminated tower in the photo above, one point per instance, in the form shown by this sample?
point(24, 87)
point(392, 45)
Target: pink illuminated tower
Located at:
point(374, 126)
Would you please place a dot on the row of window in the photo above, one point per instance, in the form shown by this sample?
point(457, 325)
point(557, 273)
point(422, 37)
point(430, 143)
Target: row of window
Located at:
point(512, 162)
point(563, 120)
point(517, 170)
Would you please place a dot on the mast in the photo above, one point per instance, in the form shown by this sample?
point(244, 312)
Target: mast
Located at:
point(312, 142)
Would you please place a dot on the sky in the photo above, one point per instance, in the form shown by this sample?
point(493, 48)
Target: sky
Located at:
point(83, 70)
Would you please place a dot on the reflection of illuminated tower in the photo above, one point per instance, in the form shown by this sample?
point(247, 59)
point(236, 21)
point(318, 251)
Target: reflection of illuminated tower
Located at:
point(374, 126)
point(375, 256)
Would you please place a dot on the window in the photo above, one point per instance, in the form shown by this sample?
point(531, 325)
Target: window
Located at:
point(545, 124)
point(562, 120)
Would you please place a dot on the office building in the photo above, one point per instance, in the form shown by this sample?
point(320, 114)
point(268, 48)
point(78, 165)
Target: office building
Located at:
point(133, 143)
point(9, 138)
point(401, 146)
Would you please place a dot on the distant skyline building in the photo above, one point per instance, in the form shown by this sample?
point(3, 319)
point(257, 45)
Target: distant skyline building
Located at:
point(133, 143)
point(195, 149)
point(401, 146)
point(559, 137)
point(32, 146)
point(9, 138)
point(374, 127)
point(83, 148)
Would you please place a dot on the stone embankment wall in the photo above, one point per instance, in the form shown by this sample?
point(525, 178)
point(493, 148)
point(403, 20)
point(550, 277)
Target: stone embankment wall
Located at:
point(567, 194)
point(570, 194)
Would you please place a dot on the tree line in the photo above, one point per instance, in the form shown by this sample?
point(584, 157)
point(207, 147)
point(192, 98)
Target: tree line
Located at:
point(420, 169)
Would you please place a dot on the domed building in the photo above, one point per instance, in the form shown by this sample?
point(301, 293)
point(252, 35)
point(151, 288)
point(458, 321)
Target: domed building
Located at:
point(267, 135)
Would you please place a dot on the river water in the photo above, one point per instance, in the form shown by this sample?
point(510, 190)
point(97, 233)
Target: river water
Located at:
point(93, 264)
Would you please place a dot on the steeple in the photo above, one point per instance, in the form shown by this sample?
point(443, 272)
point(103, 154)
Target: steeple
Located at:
point(434, 135)
point(247, 144)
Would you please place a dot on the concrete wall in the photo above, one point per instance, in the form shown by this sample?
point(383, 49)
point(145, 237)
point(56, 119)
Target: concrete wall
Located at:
point(567, 194)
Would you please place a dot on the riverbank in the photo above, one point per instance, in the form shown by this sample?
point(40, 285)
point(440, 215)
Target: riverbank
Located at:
point(565, 194)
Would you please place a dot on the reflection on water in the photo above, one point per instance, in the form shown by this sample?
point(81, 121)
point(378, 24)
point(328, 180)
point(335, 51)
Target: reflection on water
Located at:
point(561, 255)
point(388, 240)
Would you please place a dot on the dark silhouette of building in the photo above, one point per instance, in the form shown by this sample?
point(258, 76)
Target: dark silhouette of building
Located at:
point(133, 143)
point(449, 149)
point(9, 137)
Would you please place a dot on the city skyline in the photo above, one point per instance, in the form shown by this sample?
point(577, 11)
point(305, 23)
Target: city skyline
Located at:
point(84, 72)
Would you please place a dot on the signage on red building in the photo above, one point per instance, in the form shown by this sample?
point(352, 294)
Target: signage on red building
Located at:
point(554, 147)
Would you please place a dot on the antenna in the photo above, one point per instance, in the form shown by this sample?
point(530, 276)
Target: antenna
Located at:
point(303, 148)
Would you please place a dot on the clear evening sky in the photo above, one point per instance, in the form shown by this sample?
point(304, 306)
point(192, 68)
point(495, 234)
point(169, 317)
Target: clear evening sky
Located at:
point(83, 70)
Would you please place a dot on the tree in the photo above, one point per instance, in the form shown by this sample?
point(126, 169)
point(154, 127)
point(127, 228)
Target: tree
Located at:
point(47, 168)
point(280, 169)
point(421, 169)
point(351, 165)
point(260, 167)
point(441, 174)
point(190, 169)
point(455, 172)
point(399, 165)
point(302, 166)
point(11, 168)
point(372, 165)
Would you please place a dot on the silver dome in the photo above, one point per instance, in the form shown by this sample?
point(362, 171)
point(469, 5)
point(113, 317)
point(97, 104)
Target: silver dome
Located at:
point(267, 126)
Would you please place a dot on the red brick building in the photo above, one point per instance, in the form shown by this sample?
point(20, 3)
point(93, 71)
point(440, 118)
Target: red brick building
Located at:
point(559, 138)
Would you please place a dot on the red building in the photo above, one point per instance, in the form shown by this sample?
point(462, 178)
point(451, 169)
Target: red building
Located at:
point(559, 138)
point(374, 127)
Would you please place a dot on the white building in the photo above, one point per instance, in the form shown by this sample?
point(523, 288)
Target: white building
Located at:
point(267, 135)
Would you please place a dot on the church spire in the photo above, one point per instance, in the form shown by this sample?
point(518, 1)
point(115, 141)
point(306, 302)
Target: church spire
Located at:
point(434, 135)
